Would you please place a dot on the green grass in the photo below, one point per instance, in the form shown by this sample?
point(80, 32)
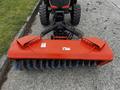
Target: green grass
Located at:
point(13, 14)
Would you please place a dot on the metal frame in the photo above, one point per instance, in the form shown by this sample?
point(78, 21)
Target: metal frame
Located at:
point(59, 25)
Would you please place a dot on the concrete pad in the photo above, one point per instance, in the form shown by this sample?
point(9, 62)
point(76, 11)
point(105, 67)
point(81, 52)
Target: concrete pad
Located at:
point(116, 3)
point(99, 18)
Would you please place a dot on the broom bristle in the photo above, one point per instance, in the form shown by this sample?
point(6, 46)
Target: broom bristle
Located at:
point(52, 64)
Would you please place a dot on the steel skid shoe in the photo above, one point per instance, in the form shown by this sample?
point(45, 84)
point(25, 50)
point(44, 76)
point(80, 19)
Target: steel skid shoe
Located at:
point(33, 52)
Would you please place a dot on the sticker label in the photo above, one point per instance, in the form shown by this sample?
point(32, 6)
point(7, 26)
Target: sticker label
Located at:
point(66, 48)
point(43, 45)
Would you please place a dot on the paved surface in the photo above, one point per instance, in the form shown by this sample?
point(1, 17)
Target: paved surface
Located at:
point(99, 18)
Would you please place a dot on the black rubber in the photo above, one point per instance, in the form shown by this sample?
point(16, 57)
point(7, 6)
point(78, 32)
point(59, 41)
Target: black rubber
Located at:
point(44, 14)
point(75, 14)
point(73, 2)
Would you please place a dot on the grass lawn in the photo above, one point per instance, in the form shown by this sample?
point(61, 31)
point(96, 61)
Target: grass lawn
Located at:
point(13, 14)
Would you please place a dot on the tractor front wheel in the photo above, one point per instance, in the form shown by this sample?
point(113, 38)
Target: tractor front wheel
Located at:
point(75, 14)
point(44, 14)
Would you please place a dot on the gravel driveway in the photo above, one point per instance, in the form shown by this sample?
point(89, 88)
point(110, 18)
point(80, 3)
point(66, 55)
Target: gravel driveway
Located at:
point(99, 18)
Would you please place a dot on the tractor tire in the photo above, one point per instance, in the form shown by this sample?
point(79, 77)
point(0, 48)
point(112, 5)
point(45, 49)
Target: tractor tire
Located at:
point(73, 2)
point(75, 14)
point(44, 14)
